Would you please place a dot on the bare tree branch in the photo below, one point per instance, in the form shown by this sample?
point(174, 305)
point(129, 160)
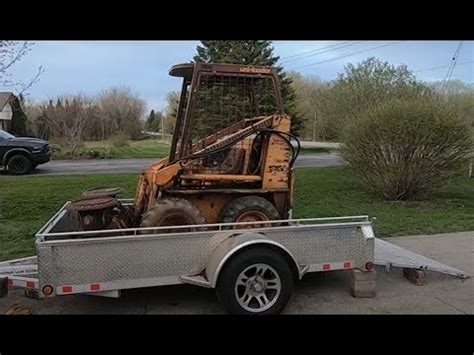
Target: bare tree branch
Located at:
point(11, 52)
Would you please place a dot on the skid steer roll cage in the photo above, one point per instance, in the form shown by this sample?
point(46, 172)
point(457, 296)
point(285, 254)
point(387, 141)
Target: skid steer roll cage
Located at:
point(192, 75)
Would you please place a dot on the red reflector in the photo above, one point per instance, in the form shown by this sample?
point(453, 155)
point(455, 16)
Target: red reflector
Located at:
point(10, 282)
point(326, 266)
point(67, 289)
point(30, 284)
point(347, 264)
point(95, 287)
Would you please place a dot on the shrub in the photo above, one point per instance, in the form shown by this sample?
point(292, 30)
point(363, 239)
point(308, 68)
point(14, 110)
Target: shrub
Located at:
point(404, 149)
point(120, 140)
point(94, 154)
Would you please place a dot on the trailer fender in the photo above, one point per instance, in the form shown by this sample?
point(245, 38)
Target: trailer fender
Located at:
point(236, 243)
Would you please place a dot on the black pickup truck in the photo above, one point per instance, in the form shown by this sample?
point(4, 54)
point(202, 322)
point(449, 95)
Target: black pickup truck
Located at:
point(21, 155)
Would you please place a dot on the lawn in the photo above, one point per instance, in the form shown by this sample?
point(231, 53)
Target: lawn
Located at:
point(27, 202)
point(147, 148)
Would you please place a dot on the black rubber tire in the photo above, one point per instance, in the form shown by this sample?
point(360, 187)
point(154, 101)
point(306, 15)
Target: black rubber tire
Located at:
point(19, 165)
point(231, 212)
point(172, 208)
point(225, 288)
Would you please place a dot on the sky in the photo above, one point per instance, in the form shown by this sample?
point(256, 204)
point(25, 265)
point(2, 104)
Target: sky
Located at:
point(88, 67)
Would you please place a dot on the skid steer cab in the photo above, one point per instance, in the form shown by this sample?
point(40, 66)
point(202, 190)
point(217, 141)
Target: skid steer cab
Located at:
point(230, 159)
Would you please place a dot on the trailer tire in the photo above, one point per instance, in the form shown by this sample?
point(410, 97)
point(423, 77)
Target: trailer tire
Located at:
point(172, 211)
point(250, 275)
point(249, 209)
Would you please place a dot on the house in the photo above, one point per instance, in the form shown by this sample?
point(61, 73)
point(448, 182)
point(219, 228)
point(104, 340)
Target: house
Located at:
point(6, 110)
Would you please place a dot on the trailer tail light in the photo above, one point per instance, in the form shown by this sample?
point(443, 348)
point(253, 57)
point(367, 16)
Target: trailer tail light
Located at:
point(369, 265)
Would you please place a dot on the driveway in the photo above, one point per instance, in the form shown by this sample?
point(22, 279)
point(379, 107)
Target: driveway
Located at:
point(317, 293)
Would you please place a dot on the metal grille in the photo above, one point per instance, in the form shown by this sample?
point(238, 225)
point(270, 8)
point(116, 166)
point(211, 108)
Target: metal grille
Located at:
point(221, 101)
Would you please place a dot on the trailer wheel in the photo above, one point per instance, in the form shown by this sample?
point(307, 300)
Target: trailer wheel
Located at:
point(172, 211)
point(256, 281)
point(249, 209)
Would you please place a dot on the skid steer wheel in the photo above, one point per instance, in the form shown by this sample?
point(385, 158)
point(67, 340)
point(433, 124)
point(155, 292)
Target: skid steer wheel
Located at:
point(173, 211)
point(255, 281)
point(249, 209)
point(19, 165)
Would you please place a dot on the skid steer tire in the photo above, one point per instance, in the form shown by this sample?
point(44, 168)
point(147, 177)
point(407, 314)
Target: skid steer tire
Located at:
point(173, 211)
point(249, 209)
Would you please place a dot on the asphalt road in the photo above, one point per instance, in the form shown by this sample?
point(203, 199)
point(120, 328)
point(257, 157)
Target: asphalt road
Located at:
point(136, 165)
point(317, 293)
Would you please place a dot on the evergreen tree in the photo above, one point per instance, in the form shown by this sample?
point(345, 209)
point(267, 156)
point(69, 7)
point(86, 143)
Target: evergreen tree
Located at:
point(19, 118)
point(256, 52)
point(150, 119)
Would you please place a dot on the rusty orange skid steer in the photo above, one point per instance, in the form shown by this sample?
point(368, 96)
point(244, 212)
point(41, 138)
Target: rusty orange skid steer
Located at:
point(230, 160)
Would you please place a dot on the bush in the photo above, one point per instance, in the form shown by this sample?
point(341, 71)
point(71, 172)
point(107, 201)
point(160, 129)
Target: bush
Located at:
point(404, 149)
point(94, 154)
point(120, 140)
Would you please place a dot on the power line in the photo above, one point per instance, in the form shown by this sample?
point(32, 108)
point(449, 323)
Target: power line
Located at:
point(312, 50)
point(444, 66)
point(347, 55)
point(321, 51)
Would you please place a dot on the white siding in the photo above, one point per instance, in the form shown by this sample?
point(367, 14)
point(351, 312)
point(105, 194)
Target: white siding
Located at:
point(6, 113)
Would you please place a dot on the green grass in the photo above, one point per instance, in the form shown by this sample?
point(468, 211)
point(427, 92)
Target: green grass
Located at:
point(147, 148)
point(27, 202)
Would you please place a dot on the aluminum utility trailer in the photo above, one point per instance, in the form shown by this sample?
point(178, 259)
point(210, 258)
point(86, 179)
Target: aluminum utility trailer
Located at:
point(252, 269)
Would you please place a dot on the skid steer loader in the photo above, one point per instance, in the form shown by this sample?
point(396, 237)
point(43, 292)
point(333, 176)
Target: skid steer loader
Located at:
point(230, 160)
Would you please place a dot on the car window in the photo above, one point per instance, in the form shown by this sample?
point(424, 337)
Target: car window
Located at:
point(5, 135)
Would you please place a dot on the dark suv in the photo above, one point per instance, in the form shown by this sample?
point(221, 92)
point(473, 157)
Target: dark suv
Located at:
point(21, 155)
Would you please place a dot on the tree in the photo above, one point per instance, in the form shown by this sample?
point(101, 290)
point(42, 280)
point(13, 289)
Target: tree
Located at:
point(11, 52)
point(150, 119)
point(121, 111)
point(309, 91)
point(365, 85)
point(68, 119)
point(256, 52)
point(153, 122)
point(171, 111)
point(19, 120)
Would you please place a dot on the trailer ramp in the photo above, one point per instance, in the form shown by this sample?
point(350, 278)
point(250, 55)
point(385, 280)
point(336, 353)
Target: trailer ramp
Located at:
point(391, 255)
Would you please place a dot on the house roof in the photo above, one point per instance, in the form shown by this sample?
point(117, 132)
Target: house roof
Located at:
point(5, 97)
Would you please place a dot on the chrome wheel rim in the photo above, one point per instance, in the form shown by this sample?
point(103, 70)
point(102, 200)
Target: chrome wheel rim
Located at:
point(258, 288)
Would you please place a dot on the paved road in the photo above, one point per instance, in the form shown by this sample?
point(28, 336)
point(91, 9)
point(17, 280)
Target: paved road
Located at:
point(317, 293)
point(137, 165)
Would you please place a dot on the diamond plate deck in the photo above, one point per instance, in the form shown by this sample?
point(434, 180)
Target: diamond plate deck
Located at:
point(390, 255)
